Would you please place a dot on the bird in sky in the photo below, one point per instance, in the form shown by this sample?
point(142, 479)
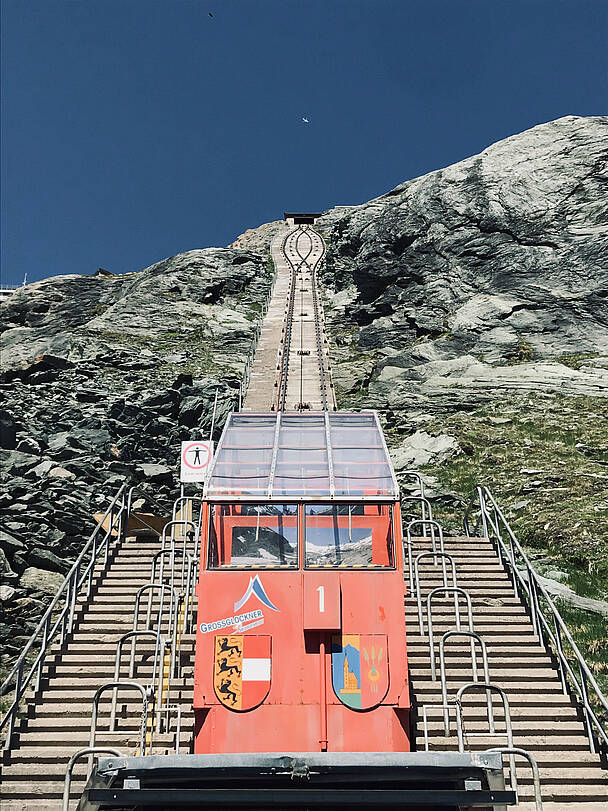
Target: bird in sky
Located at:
point(305, 120)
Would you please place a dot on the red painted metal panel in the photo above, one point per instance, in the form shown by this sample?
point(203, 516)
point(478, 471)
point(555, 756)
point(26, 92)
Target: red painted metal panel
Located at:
point(321, 601)
point(293, 706)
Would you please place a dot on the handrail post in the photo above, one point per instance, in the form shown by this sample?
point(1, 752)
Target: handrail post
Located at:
point(45, 639)
point(12, 722)
point(585, 696)
point(65, 614)
point(67, 784)
point(73, 600)
point(560, 654)
point(532, 599)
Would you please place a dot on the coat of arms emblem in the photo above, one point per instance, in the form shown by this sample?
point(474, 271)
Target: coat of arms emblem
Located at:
point(241, 670)
point(359, 667)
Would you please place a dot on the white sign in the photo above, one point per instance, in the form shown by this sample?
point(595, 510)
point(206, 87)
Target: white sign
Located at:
point(195, 460)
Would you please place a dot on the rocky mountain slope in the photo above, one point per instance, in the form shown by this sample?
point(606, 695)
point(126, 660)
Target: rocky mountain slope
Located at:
point(469, 306)
point(102, 378)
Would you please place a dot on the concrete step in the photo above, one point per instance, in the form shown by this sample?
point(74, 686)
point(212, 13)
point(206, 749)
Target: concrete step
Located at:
point(568, 793)
point(536, 673)
point(533, 743)
point(520, 727)
point(496, 662)
point(536, 715)
point(69, 696)
point(561, 776)
point(528, 643)
point(53, 706)
point(81, 723)
point(126, 743)
point(425, 688)
point(528, 702)
point(482, 627)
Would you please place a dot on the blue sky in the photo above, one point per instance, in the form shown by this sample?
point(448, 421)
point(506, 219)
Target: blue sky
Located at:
point(136, 129)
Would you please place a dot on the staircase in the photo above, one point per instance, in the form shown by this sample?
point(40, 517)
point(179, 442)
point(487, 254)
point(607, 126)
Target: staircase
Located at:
point(58, 717)
point(545, 720)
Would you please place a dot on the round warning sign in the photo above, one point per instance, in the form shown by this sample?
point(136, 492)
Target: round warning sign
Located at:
point(195, 460)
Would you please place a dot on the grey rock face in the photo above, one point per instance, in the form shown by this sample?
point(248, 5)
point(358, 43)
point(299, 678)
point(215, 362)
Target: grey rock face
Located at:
point(473, 302)
point(102, 378)
point(481, 276)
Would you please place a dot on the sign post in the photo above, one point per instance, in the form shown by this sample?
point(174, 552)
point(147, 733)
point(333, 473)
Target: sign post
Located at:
point(195, 460)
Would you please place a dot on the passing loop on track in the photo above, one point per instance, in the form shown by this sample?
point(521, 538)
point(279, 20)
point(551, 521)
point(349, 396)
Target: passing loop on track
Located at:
point(303, 249)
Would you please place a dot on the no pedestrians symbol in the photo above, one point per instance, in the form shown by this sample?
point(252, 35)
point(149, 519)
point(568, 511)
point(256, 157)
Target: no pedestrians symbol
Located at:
point(195, 460)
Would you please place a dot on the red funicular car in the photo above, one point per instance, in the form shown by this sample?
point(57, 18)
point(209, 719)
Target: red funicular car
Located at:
point(301, 631)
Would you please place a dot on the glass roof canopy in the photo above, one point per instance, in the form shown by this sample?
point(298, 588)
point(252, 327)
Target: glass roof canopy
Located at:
point(302, 456)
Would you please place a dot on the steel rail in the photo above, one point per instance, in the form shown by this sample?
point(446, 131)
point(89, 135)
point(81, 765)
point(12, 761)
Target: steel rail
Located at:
point(287, 330)
point(551, 629)
point(292, 243)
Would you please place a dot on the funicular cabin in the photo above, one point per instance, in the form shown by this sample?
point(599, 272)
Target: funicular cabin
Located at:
point(301, 629)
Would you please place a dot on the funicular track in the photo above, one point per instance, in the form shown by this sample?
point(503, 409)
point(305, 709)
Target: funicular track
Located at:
point(291, 369)
point(303, 249)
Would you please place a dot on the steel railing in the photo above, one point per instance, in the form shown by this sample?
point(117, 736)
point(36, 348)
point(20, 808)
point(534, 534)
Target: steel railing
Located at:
point(417, 586)
point(86, 752)
point(577, 678)
point(58, 619)
point(57, 623)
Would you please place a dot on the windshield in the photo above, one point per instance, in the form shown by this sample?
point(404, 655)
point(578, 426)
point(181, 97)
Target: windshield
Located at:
point(348, 535)
point(253, 536)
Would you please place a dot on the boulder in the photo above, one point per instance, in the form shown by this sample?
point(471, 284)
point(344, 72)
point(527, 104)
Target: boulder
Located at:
point(6, 573)
point(422, 448)
point(60, 473)
point(9, 543)
point(8, 431)
point(29, 445)
point(6, 593)
point(41, 580)
point(159, 474)
point(41, 558)
point(42, 469)
point(16, 463)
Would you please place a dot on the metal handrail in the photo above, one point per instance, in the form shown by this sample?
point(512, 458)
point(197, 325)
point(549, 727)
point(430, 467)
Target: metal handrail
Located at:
point(127, 685)
point(414, 474)
point(425, 509)
point(147, 497)
point(78, 575)
point(457, 592)
point(424, 522)
point(473, 637)
point(515, 750)
point(67, 784)
point(160, 646)
point(551, 628)
point(416, 583)
point(488, 687)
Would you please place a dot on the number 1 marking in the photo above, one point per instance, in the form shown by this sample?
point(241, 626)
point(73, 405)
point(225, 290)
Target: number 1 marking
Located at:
point(321, 590)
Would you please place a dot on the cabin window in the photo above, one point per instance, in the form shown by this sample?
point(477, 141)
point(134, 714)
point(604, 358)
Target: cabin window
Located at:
point(253, 536)
point(349, 536)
